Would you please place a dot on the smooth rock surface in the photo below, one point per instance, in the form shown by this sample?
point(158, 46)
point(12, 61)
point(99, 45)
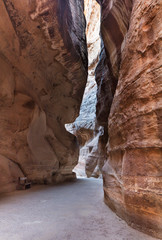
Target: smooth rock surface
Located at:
point(43, 59)
point(73, 211)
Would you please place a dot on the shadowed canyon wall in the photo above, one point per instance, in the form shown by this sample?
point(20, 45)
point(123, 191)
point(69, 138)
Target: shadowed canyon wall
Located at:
point(43, 72)
point(131, 60)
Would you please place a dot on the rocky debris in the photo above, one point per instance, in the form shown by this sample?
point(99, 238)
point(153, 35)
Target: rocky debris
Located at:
point(43, 59)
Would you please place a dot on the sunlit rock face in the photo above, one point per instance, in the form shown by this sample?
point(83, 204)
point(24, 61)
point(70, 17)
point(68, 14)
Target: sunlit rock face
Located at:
point(85, 127)
point(92, 13)
point(43, 59)
point(133, 171)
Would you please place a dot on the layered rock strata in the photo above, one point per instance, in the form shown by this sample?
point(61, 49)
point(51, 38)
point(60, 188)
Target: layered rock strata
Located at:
point(133, 171)
point(43, 59)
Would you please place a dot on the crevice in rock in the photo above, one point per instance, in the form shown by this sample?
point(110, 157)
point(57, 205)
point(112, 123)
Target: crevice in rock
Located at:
point(85, 127)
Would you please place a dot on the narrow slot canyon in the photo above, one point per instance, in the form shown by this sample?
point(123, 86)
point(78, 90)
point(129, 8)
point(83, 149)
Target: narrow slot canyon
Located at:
point(85, 127)
point(80, 120)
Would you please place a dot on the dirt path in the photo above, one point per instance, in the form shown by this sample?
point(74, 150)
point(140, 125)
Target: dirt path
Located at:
point(74, 211)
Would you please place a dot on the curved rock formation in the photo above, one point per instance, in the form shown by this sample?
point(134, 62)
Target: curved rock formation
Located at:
point(115, 13)
point(43, 59)
point(133, 171)
point(115, 17)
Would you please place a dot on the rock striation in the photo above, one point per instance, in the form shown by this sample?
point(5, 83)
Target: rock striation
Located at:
point(43, 59)
point(133, 171)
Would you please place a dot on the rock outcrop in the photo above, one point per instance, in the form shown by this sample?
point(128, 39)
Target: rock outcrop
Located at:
point(133, 171)
point(43, 59)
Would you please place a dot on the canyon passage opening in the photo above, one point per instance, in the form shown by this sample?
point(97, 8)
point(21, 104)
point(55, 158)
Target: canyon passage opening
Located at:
point(85, 127)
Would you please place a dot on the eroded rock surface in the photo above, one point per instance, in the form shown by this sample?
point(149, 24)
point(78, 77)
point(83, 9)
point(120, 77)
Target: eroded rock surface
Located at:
point(133, 171)
point(43, 59)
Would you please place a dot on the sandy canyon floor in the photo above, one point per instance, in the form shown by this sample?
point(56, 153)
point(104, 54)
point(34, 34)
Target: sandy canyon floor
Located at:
point(72, 211)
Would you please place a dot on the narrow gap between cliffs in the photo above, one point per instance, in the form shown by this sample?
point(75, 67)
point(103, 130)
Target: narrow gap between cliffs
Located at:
point(84, 127)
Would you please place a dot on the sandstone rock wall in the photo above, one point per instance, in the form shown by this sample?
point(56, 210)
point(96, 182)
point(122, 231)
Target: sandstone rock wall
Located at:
point(115, 17)
point(114, 25)
point(133, 171)
point(43, 72)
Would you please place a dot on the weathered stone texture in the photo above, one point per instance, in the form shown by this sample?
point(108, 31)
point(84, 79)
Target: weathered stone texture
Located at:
point(133, 171)
point(43, 72)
